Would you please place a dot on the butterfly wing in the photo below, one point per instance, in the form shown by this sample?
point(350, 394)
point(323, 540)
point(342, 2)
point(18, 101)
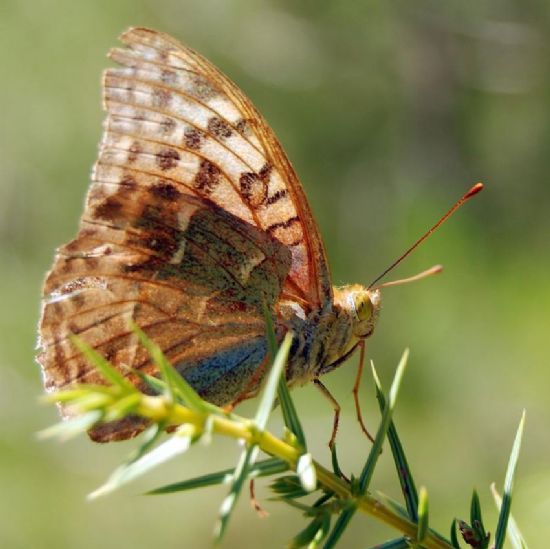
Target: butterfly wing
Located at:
point(191, 275)
point(198, 110)
point(194, 218)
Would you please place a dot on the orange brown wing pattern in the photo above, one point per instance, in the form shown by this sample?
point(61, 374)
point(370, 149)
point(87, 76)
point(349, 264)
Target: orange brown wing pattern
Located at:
point(193, 276)
point(171, 108)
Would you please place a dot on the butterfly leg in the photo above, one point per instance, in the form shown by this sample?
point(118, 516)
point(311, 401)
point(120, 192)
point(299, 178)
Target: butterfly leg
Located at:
point(327, 394)
point(356, 390)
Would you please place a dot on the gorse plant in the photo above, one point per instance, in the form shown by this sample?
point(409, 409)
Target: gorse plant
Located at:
point(293, 471)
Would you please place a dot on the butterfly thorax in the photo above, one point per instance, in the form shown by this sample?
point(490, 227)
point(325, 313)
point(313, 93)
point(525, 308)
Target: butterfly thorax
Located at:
point(325, 337)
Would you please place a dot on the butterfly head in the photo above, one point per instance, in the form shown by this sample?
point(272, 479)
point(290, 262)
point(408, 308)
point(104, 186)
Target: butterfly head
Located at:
point(363, 306)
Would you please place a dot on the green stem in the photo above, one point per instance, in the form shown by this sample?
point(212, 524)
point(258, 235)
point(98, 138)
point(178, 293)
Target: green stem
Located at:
point(371, 506)
point(156, 409)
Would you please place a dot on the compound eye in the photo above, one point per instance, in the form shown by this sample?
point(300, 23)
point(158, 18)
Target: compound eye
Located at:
point(363, 306)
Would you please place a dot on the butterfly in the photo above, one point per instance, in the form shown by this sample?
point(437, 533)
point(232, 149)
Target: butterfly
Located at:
point(194, 222)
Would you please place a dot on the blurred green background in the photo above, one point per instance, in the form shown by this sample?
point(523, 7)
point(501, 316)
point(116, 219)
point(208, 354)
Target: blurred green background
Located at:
point(389, 111)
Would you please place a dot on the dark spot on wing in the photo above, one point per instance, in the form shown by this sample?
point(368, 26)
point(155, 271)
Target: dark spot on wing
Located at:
point(253, 188)
point(283, 224)
point(289, 232)
point(109, 209)
point(167, 159)
point(207, 177)
point(276, 197)
point(192, 138)
point(165, 191)
point(265, 172)
point(220, 128)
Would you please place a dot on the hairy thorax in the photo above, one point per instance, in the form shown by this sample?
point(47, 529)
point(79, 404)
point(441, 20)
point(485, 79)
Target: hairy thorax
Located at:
point(326, 337)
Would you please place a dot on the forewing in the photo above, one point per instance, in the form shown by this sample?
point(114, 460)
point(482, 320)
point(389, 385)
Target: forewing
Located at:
point(170, 107)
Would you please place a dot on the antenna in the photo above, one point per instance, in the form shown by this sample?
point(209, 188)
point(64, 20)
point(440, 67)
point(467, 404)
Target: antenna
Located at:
point(471, 192)
point(436, 269)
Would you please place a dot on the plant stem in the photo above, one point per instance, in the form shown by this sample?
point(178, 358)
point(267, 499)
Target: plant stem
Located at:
point(371, 506)
point(156, 408)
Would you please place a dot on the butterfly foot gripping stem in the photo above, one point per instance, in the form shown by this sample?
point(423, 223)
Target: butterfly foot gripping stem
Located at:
point(334, 403)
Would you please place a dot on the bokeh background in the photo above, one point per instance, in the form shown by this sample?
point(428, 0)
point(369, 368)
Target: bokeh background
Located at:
point(389, 111)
